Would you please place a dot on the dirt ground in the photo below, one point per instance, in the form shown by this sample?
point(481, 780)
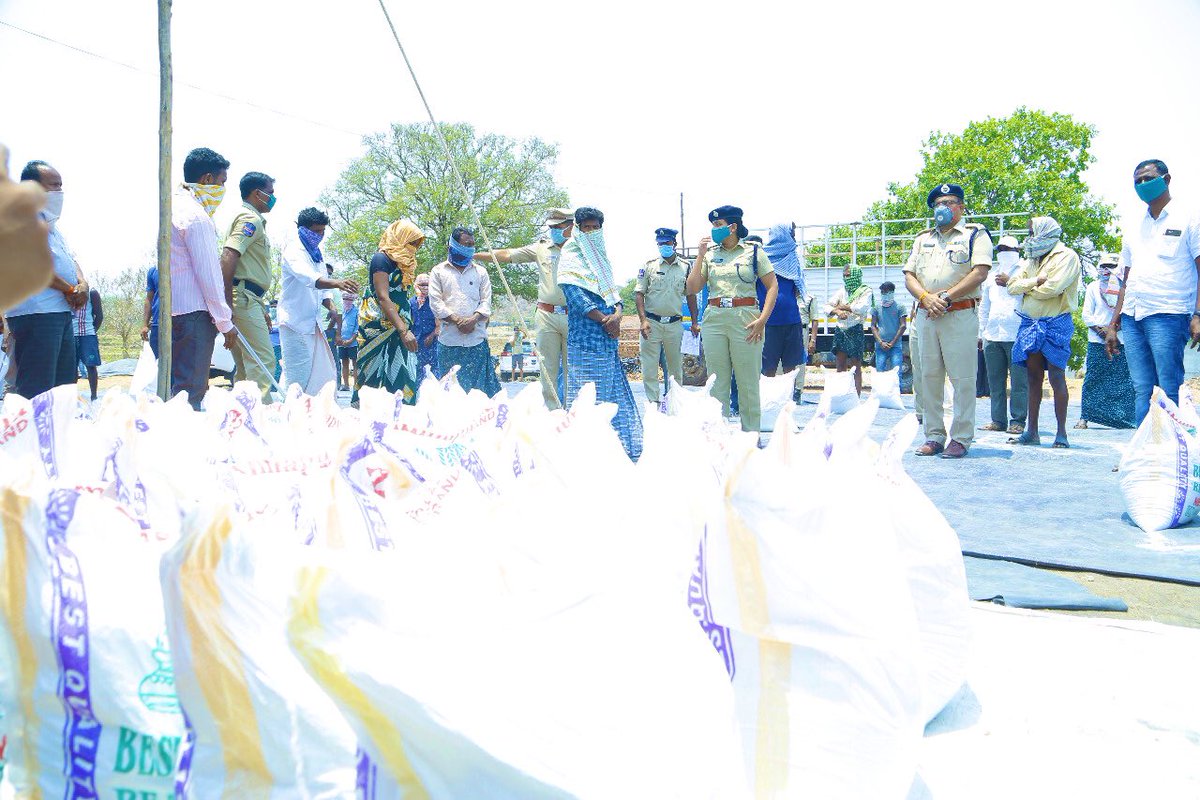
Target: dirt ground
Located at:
point(1152, 601)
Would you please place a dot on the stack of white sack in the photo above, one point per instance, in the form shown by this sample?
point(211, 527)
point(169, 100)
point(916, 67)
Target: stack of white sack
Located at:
point(465, 597)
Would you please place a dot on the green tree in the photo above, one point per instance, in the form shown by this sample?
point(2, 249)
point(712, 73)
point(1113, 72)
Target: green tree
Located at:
point(124, 297)
point(628, 301)
point(404, 174)
point(1028, 161)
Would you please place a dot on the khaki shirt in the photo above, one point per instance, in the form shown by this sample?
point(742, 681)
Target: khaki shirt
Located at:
point(808, 312)
point(940, 260)
point(1057, 295)
point(248, 236)
point(546, 256)
point(662, 284)
point(730, 273)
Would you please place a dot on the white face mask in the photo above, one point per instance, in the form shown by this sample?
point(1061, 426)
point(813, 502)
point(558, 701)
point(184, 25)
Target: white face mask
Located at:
point(1008, 260)
point(54, 204)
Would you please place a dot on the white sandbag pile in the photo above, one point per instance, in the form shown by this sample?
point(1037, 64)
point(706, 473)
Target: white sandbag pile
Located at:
point(463, 598)
point(1160, 471)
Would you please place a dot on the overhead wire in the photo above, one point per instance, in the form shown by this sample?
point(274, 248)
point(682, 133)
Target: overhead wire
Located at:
point(204, 90)
point(462, 184)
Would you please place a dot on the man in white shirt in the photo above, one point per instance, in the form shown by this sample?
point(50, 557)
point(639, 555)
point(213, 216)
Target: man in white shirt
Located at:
point(307, 358)
point(460, 294)
point(1158, 308)
point(998, 323)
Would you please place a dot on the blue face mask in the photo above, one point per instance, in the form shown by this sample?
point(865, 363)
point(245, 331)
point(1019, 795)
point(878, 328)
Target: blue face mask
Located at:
point(557, 235)
point(721, 234)
point(460, 255)
point(943, 216)
point(1151, 190)
point(666, 250)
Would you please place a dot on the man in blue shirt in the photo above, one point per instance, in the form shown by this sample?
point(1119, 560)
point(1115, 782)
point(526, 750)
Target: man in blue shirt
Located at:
point(887, 323)
point(150, 311)
point(43, 340)
point(347, 339)
point(784, 340)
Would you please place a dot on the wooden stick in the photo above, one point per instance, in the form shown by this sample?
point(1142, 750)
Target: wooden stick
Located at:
point(164, 199)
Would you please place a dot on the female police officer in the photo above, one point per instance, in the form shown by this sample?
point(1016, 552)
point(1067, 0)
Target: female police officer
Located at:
point(733, 322)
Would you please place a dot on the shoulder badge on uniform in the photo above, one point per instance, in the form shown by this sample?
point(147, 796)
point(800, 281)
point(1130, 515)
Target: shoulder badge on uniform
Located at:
point(248, 229)
point(642, 272)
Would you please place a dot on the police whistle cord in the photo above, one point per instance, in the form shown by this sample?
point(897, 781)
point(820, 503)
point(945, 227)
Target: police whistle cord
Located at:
point(462, 185)
point(270, 374)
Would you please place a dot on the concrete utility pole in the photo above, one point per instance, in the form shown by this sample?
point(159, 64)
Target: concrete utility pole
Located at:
point(164, 199)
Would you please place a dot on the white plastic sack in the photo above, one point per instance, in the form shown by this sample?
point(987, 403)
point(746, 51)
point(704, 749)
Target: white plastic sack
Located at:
point(937, 578)
point(839, 394)
point(885, 387)
point(87, 691)
point(222, 359)
point(1160, 471)
point(823, 640)
point(263, 727)
point(773, 393)
point(145, 374)
point(547, 662)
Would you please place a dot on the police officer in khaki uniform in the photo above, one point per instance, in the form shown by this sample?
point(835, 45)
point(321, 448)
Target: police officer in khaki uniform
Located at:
point(733, 322)
point(659, 297)
point(246, 267)
point(551, 316)
point(944, 272)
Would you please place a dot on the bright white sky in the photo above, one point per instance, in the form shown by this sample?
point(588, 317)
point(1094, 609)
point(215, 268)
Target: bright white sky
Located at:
point(794, 111)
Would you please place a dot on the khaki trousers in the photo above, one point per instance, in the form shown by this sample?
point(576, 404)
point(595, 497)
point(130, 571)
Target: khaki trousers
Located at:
point(949, 348)
point(552, 352)
point(249, 318)
point(662, 337)
point(727, 354)
point(914, 359)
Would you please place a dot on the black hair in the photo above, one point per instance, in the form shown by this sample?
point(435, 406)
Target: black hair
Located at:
point(253, 181)
point(887, 286)
point(312, 216)
point(459, 232)
point(754, 238)
point(1158, 164)
point(585, 213)
point(201, 162)
point(33, 170)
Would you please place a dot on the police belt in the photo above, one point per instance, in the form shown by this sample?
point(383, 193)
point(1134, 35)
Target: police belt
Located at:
point(664, 320)
point(961, 305)
point(732, 302)
point(251, 287)
point(550, 308)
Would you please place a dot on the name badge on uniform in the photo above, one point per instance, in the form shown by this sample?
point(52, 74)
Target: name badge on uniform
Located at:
point(927, 244)
point(1173, 232)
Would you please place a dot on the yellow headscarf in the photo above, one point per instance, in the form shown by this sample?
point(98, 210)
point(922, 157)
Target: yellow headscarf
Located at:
point(399, 243)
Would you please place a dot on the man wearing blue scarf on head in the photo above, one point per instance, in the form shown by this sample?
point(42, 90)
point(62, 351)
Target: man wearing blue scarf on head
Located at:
point(307, 358)
point(460, 293)
point(784, 341)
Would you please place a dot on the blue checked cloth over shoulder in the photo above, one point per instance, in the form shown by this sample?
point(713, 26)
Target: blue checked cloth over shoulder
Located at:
point(1050, 336)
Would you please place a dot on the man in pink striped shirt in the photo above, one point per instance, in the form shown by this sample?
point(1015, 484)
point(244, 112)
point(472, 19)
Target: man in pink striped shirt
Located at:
point(198, 307)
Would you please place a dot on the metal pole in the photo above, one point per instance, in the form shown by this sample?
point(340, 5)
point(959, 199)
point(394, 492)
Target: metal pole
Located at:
point(682, 238)
point(883, 246)
point(164, 199)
